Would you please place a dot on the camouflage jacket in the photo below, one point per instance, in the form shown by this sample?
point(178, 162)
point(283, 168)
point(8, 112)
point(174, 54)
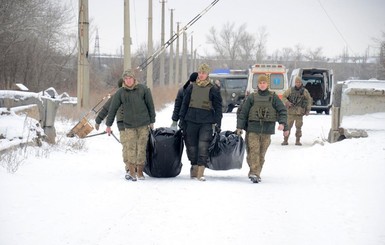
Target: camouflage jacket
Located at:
point(300, 101)
point(138, 106)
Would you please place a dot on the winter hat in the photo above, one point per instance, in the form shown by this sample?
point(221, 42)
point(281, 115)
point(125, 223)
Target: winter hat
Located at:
point(204, 68)
point(193, 77)
point(262, 77)
point(128, 73)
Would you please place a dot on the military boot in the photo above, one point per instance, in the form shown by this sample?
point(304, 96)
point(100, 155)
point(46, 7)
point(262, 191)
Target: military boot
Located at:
point(193, 171)
point(297, 141)
point(201, 170)
point(285, 139)
point(139, 172)
point(131, 175)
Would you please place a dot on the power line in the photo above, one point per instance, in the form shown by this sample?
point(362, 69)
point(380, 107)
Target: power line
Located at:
point(335, 26)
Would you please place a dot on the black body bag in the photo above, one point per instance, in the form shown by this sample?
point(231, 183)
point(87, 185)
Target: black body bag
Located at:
point(226, 151)
point(164, 153)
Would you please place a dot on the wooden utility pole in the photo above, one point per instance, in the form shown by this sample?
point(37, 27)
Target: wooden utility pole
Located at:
point(177, 80)
point(127, 36)
point(149, 46)
point(162, 58)
point(171, 81)
point(191, 54)
point(184, 56)
point(83, 85)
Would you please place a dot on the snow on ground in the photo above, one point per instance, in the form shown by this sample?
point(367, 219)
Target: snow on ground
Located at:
point(318, 193)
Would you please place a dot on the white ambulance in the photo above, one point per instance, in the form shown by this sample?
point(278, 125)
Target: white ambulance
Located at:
point(276, 73)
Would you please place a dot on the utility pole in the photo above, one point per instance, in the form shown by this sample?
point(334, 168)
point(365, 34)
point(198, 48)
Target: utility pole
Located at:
point(184, 56)
point(177, 80)
point(149, 46)
point(162, 58)
point(171, 81)
point(83, 87)
point(191, 54)
point(127, 36)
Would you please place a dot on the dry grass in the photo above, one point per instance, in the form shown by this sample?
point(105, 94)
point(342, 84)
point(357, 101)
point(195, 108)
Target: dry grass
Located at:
point(163, 96)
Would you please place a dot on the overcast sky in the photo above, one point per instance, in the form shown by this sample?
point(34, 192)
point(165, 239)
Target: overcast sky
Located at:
point(330, 24)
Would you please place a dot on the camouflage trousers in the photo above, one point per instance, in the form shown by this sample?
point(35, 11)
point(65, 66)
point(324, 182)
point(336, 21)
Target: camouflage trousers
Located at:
point(134, 142)
point(256, 147)
point(298, 119)
point(123, 138)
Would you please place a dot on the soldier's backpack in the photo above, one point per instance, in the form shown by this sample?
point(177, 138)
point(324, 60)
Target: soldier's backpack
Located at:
point(164, 153)
point(226, 151)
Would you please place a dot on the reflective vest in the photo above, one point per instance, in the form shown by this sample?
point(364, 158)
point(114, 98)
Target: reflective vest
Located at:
point(200, 97)
point(262, 109)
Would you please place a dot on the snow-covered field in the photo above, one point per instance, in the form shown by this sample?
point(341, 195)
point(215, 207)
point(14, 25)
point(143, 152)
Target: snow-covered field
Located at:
point(318, 193)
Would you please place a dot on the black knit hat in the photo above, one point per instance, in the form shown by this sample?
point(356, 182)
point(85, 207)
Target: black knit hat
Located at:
point(193, 77)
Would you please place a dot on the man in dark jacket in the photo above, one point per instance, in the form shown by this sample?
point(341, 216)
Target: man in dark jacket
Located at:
point(179, 99)
point(201, 110)
point(138, 117)
point(259, 113)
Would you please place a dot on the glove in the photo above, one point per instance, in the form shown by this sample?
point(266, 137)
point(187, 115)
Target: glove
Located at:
point(97, 126)
point(174, 125)
point(238, 131)
point(151, 126)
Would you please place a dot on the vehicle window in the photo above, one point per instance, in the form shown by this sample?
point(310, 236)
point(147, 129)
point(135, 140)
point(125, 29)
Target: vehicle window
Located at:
point(236, 83)
point(276, 81)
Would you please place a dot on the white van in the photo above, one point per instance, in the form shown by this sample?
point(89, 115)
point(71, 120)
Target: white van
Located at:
point(319, 83)
point(276, 73)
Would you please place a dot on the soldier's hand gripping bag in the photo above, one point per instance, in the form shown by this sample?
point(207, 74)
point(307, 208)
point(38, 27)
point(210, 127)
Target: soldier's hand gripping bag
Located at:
point(164, 153)
point(226, 151)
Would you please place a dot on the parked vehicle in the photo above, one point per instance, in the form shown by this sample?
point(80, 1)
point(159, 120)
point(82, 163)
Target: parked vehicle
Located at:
point(232, 85)
point(276, 73)
point(319, 83)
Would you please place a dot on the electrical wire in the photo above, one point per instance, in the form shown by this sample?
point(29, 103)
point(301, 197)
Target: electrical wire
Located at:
point(335, 26)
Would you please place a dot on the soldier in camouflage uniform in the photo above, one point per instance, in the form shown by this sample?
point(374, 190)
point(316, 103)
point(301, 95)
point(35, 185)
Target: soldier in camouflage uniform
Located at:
point(257, 117)
point(201, 110)
point(298, 103)
point(119, 121)
point(138, 117)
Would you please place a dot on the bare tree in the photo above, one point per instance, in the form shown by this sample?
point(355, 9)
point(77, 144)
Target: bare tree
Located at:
point(261, 44)
point(298, 54)
point(231, 43)
point(32, 50)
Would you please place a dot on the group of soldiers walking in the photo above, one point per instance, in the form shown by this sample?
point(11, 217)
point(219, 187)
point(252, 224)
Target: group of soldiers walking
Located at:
point(198, 109)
